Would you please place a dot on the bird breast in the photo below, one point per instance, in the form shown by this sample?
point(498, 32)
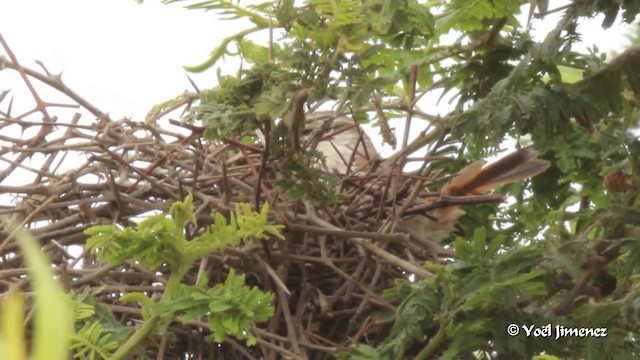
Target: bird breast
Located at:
point(346, 148)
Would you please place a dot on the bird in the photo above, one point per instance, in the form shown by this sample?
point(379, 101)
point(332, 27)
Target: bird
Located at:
point(349, 150)
point(475, 179)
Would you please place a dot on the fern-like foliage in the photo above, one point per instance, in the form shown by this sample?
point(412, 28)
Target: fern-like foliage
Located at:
point(243, 224)
point(98, 333)
point(92, 342)
point(159, 239)
point(232, 307)
point(469, 15)
point(239, 105)
point(230, 10)
point(340, 12)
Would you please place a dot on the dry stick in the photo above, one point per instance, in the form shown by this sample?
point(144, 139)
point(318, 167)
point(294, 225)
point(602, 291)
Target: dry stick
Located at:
point(416, 144)
point(302, 296)
point(94, 275)
point(158, 163)
point(239, 144)
point(48, 122)
point(360, 199)
point(419, 184)
point(65, 137)
point(27, 124)
point(376, 297)
point(267, 193)
point(397, 180)
point(240, 348)
point(347, 233)
point(286, 354)
point(49, 161)
point(413, 78)
point(366, 244)
point(420, 272)
point(446, 201)
point(17, 163)
point(277, 337)
point(61, 248)
point(66, 227)
point(111, 181)
point(56, 83)
point(355, 279)
point(89, 146)
point(419, 142)
point(372, 284)
point(291, 328)
point(31, 216)
point(362, 330)
point(359, 142)
point(272, 273)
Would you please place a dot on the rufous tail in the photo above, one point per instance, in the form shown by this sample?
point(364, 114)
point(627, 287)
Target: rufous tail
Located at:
point(475, 179)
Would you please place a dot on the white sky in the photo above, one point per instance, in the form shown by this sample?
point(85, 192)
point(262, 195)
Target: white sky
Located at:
point(119, 55)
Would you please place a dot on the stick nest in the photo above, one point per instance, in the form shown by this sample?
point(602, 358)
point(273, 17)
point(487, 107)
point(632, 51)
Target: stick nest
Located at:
point(67, 172)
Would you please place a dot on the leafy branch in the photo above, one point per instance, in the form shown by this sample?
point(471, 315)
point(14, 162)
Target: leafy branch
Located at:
point(160, 240)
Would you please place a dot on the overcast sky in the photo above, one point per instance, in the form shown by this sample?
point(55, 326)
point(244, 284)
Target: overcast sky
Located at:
point(121, 56)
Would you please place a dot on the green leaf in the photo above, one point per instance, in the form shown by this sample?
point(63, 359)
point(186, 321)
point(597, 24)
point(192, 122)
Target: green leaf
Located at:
point(545, 357)
point(92, 341)
point(54, 314)
point(13, 344)
point(480, 240)
point(136, 296)
point(83, 311)
point(219, 305)
point(221, 50)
